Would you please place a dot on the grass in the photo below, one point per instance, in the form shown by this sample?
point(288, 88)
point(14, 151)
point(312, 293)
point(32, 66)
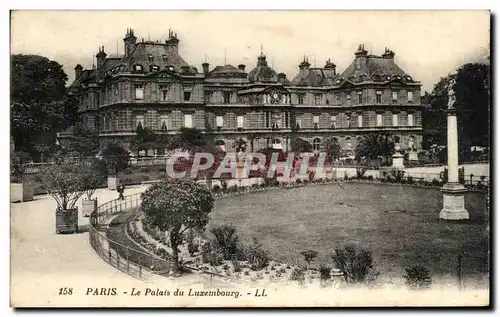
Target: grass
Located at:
point(323, 217)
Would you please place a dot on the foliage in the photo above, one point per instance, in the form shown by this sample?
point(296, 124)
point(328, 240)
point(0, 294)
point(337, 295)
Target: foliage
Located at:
point(82, 143)
point(116, 156)
point(372, 146)
point(332, 148)
point(298, 274)
point(300, 145)
point(226, 240)
point(397, 175)
point(473, 109)
point(18, 162)
point(40, 106)
point(176, 206)
point(257, 256)
point(240, 145)
point(324, 272)
point(354, 263)
point(145, 139)
point(94, 174)
point(65, 183)
point(188, 139)
point(360, 171)
point(309, 255)
point(417, 277)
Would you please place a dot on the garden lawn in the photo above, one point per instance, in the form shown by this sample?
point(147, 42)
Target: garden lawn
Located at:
point(399, 224)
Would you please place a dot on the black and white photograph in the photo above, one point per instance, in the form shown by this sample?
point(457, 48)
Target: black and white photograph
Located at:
point(252, 158)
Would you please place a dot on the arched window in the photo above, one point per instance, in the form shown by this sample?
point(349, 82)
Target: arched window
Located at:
point(348, 142)
point(221, 145)
point(277, 144)
point(316, 144)
point(411, 142)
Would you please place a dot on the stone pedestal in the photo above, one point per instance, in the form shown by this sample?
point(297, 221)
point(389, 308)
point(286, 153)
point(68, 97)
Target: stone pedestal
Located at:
point(398, 160)
point(20, 192)
point(88, 206)
point(413, 156)
point(453, 202)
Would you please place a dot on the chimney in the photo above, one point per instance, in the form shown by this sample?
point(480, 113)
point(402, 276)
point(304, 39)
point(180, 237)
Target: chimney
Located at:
point(129, 41)
point(361, 56)
point(185, 68)
point(330, 65)
point(205, 68)
point(388, 54)
point(305, 64)
point(282, 78)
point(101, 57)
point(241, 67)
point(78, 71)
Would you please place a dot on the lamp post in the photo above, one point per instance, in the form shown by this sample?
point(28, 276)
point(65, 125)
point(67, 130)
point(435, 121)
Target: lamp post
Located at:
point(453, 191)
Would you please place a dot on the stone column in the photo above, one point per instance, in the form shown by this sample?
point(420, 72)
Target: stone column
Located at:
point(453, 191)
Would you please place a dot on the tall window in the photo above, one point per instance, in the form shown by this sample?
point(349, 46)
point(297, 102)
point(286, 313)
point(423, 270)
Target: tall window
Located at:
point(298, 124)
point(410, 119)
point(410, 96)
point(239, 122)
point(219, 122)
point(348, 97)
point(164, 123)
point(348, 122)
point(348, 142)
point(337, 98)
point(316, 122)
point(316, 144)
point(187, 95)
point(333, 122)
point(287, 119)
point(208, 96)
point(317, 99)
point(379, 96)
point(164, 92)
point(360, 120)
point(150, 58)
point(227, 97)
point(268, 114)
point(188, 120)
point(360, 97)
point(115, 88)
point(379, 120)
point(139, 92)
point(394, 96)
point(139, 122)
point(395, 120)
point(301, 99)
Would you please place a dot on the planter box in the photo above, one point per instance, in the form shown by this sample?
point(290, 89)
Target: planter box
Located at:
point(21, 192)
point(88, 206)
point(67, 221)
point(113, 182)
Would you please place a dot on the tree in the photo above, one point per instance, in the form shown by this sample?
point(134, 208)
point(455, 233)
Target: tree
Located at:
point(372, 146)
point(145, 139)
point(94, 174)
point(300, 145)
point(240, 145)
point(64, 182)
point(40, 106)
point(82, 143)
point(309, 255)
point(332, 148)
point(175, 207)
point(17, 165)
point(116, 156)
point(188, 139)
point(472, 104)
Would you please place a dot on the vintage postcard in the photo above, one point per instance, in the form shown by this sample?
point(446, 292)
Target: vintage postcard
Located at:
point(250, 158)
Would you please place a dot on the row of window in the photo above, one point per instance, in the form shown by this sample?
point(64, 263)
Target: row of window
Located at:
point(275, 124)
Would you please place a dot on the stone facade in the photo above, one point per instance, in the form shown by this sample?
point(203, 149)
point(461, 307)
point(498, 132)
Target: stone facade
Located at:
point(152, 86)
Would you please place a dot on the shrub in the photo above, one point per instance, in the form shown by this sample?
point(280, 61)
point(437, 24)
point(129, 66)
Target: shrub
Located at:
point(193, 248)
point(298, 181)
point(324, 273)
point(354, 264)
point(309, 255)
point(236, 265)
point(370, 177)
point(225, 267)
point(410, 180)
point(360, 172)
point(216, 189)
point(65, 183)
point(257, 256)
point(417, 277)
point(397, 175)
point(206, 250)
point(215, 259)
point(435, 182)
point(226, 240)
point(224, 186)
point(298, 275)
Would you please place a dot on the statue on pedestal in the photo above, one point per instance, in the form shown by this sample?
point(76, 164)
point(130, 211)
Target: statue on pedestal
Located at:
point(452, 99)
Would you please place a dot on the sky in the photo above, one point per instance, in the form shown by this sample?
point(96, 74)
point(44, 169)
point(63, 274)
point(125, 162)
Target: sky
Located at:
point(428, 44)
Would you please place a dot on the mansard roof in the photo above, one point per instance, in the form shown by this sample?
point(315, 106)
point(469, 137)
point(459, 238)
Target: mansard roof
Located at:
point(315, 77)
point(374, 68)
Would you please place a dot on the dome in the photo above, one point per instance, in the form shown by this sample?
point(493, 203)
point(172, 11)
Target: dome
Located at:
point(226, 71)
point(262, 73)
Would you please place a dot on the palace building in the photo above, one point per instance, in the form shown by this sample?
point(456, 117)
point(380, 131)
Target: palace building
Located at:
point(152, 86)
